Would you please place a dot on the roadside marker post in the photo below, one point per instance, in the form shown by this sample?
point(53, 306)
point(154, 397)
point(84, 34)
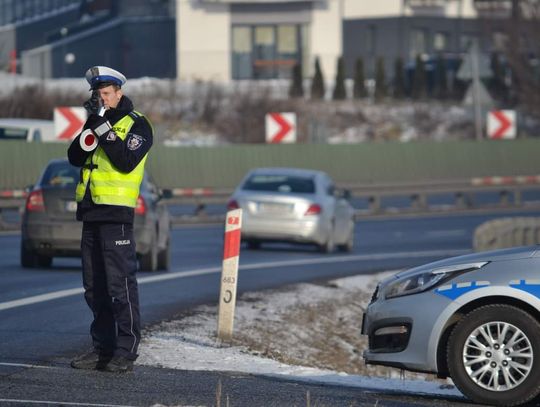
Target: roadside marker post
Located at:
point(229, 274)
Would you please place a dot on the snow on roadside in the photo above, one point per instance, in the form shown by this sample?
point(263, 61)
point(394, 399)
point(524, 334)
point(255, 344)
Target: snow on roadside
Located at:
point(190, 343)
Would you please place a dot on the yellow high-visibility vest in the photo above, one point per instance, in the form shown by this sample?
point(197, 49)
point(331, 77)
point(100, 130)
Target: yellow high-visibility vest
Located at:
point(108, 186)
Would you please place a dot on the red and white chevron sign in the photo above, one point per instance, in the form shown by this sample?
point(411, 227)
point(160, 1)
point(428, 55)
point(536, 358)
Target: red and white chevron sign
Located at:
point(68, 122)
point(280, 128)
point(229, 274)
point(501, 124)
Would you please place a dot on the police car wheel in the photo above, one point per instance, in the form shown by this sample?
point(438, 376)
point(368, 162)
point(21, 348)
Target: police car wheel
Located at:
point(494, 355)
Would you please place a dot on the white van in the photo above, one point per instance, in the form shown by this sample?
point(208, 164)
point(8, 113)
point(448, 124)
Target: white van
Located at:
point(26, 129)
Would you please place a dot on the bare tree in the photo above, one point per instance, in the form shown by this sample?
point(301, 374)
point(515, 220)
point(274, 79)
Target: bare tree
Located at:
point(520, 47)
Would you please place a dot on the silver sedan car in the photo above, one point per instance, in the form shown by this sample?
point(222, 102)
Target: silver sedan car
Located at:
point(474, 318)
point(294, 205)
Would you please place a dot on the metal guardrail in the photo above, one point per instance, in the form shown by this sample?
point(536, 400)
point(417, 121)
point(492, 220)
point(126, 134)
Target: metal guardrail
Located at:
point(509, 190)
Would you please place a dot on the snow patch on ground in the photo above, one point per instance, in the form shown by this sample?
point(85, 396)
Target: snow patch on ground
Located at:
point(190, 343)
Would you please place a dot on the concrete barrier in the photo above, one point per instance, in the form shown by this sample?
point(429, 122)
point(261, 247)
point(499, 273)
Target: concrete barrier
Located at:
point(507, 232)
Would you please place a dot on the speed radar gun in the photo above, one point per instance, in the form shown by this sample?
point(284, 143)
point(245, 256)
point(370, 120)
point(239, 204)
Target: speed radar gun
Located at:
point(88, 139)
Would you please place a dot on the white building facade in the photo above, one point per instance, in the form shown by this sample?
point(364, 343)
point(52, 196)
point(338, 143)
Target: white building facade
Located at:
point(224, 40)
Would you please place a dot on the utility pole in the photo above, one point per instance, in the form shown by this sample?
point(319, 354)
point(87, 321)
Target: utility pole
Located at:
point(476, 91)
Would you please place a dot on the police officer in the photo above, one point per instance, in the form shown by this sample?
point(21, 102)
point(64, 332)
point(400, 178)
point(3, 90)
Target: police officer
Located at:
point(106, 195)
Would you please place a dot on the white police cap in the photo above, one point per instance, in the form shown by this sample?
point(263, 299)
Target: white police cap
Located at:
point(98, 75)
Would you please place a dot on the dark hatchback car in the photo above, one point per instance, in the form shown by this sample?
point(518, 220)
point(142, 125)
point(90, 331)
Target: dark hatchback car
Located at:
point(49, 228)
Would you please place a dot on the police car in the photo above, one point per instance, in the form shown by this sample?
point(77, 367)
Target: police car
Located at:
point(474, 318)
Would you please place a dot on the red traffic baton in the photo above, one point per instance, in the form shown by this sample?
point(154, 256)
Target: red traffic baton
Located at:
point(88, 140)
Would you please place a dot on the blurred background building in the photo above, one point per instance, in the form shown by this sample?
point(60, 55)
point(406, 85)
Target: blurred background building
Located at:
point(224, 40)
point(62, 38)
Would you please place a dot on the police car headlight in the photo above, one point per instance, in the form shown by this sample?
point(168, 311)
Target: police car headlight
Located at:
point(424, 280)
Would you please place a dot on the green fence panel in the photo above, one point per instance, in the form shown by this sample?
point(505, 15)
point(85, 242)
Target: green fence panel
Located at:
point(359, 163)
point(224, 166)
point(21, 163)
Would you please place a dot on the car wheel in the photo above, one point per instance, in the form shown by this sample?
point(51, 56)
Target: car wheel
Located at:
point(349, 244)
point(28, 257)
point(164, 258)
point(44, 261)
point(494, 355)
point(328, 246)
point(149, 260)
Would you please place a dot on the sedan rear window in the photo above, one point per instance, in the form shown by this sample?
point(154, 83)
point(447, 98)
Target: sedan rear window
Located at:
point(280, 183)
point(60, 175)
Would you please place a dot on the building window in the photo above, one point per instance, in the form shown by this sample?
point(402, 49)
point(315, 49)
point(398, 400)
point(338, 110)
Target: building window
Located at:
point(14, 11)
point(371, 40)
point(266, 51)
point(305, 49)
point(440, 41)
point(418, 42)
point(466, 41)
point(6, 12)
point(241, 53)
point(19, 11)
point(288, 50)
point(38, 7)
point(499, 40)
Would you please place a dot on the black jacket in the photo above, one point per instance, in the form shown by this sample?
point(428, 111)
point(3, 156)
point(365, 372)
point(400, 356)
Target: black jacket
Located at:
point(125, 156)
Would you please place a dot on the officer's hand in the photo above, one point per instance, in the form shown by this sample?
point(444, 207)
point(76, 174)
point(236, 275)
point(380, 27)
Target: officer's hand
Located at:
point(99, 125)
point(94, 104)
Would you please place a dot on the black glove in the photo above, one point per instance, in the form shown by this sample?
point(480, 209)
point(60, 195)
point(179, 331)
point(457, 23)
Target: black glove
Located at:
point(94, 104)
point(99, 125)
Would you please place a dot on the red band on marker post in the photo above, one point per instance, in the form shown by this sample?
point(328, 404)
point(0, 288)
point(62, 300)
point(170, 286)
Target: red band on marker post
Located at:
point(231, 247)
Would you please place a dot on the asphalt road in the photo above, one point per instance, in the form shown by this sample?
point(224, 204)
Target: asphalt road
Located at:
point(44, 320)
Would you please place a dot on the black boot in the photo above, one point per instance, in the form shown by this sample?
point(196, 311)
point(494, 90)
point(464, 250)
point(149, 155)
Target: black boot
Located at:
point(90, 361)
point(118, 364)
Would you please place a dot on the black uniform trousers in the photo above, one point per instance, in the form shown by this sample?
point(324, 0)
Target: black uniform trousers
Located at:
point(109, 266)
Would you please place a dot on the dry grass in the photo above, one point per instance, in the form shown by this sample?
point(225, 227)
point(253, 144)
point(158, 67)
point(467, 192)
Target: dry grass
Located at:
point(324, 334)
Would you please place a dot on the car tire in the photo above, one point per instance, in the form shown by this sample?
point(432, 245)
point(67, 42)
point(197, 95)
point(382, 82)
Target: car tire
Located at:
point(328, 246)
point(149, 260)
point(28, 257)
point(348, 246)
point(482, 362)
point(164, 258)
point(44, 261)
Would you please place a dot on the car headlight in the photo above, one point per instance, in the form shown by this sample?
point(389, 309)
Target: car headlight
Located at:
point(427, 279)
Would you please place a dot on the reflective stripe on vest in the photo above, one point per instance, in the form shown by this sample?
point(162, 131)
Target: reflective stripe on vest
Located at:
point(108, 186)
